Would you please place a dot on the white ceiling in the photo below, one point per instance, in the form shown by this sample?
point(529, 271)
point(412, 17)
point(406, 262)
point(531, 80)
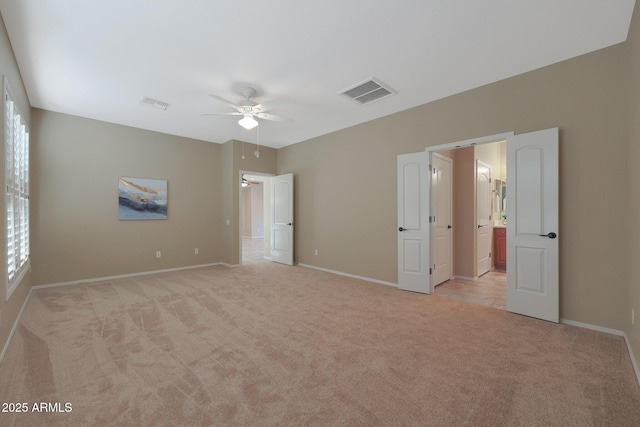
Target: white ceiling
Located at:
point(98, 58)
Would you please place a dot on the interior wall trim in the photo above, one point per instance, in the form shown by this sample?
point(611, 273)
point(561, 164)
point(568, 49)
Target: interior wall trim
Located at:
point(592, 327)
point(124, 276)
point(15, 326)
point(471, 142)
point(227, 264)
point(353, 276)
point(608, 331)
point(472, 279)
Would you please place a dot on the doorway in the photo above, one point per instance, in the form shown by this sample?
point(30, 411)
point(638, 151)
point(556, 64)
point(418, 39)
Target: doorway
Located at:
point(477, 219)
point(254, 218)
point(533, 286)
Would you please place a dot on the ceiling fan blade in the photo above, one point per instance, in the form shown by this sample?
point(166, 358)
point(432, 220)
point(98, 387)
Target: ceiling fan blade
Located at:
point(273, 117)
point(267, 105)
point(222, 114)
point(219, 98)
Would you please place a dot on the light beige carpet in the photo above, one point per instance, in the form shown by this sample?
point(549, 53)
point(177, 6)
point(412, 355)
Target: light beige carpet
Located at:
point(274, 345)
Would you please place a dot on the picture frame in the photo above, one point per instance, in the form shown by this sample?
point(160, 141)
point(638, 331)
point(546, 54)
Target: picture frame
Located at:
point(142, 199)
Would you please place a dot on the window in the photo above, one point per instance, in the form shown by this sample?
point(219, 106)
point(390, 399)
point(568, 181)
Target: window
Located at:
point(17, 196)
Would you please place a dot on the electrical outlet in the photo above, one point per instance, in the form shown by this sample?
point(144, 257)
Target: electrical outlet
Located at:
point(315, 252)
point(158, 254)
point(196, 251)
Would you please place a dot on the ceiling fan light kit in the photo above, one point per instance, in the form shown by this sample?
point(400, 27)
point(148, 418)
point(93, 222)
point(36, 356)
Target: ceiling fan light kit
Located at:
point(248, 122)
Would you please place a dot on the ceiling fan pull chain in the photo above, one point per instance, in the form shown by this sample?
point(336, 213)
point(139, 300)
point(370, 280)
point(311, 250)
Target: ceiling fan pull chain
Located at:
point(257, 152)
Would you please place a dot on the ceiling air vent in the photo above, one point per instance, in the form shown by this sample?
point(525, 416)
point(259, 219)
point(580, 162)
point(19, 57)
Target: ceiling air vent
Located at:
point(367, 91)
point(154, 103)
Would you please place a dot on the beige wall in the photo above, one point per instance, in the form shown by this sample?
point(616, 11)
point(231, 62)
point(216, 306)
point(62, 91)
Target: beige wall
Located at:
point(246, 211)
point(257, 211)
point(490, 154)
point(10, 306)
point(252, 211)
point(631, 202)
point(76, 233)
point(464, 196)
point(346, 180)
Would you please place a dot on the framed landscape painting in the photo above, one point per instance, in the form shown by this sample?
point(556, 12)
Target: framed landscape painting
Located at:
point(140, 199)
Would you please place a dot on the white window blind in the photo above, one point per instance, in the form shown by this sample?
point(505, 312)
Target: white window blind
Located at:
point(17, 195)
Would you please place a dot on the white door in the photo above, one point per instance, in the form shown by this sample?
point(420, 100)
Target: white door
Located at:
point(282, 219)
point(441, 210)
point(484, 229)
point(532, 225)
point(413, 222)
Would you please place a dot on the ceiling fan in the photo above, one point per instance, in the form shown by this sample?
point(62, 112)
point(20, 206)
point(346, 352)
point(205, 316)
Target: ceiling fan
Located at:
point(250, 109)
point(247, 182)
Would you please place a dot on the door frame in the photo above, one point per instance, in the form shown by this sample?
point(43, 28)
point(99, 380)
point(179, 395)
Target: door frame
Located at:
point(452, 146)
point(240, 211)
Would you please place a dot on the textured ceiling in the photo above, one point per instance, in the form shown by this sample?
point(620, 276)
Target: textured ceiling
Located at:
point(98, 58)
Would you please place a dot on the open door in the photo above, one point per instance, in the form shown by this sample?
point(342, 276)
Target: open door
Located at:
point(413, 222)
point(484, 231)
point(282, 219)
point(532, 225)
point(442, 223)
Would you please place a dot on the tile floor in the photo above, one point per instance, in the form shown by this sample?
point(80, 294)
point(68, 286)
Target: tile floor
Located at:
point(252, 251)
point(489, 290)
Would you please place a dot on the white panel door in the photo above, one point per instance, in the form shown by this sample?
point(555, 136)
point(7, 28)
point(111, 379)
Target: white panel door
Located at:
point(441, 210)
point(484, 230)
point(282, 219)
point(532, 225)
point(413, 222)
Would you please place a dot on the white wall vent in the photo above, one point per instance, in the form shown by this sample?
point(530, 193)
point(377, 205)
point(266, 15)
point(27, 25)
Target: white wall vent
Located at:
point(367, 91)
point(154, 103)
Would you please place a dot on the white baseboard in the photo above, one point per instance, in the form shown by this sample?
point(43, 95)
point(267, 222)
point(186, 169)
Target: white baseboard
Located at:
point(15, 326)
point(592, 327)
point(124, 276)
point(633, 359)
point(609, 331)
point(353, 276)
point(227, 264)
point(465, 278)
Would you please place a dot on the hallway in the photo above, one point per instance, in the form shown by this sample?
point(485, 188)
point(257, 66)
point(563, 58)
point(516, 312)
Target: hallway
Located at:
point(253, 251)
point(489, 290)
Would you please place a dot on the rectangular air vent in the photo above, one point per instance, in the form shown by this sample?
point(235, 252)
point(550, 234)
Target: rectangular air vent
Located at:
point(154, 103)
point(367, 91)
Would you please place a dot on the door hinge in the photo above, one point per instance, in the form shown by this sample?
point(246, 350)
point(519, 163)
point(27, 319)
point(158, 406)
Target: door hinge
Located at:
point(489, 217)
point(489, 254)
point(430, 271)
point(429, 217)
point(430, 168)
point(489, 180)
